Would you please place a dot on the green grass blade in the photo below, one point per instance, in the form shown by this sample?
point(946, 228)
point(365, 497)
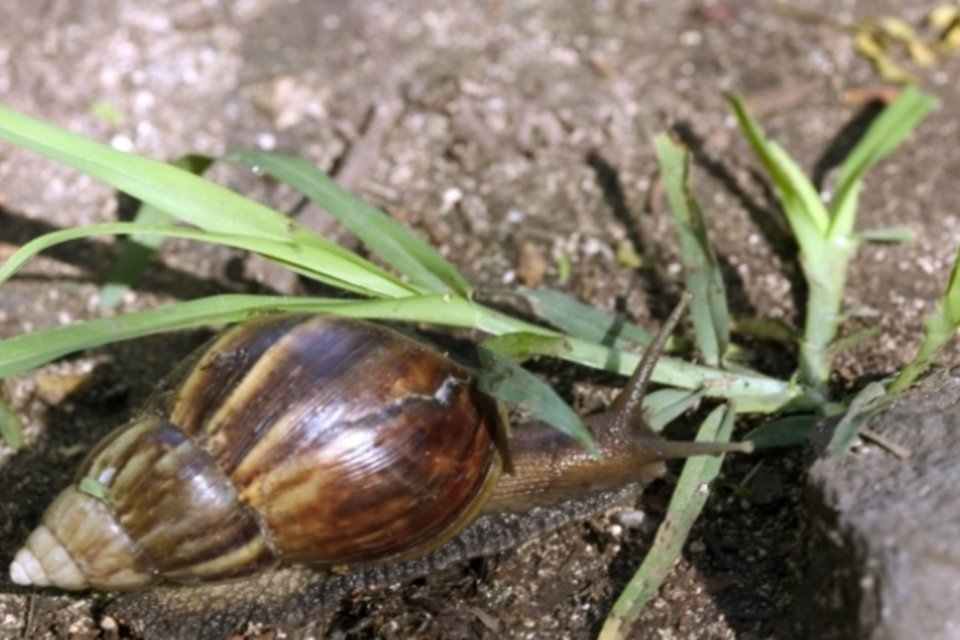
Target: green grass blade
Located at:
point(583, 321)
point(521, 346)
point(178, 192)
point(788, 431)
point(324, 267)
point(864, 406)
point(138, 250)
point(755, 392)
point(392, 241)
point(511, 383)
point(855, 339)
point(593, 329)
point(891, 235)
point(752, 391)
point(133, 258)
point(24, 352)
point(939, 328)
point(805, 212)
point(823, 257)
point(97, 490)
point(517, 386)
point(708, 308)
point(189, 197)
point(887, 132)
point(11, 431)
point(663, 406)
point(685, 506)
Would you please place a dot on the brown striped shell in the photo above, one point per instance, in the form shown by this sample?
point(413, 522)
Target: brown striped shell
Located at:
point(233, 468)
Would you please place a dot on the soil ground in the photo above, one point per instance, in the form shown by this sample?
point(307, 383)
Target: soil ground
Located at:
point(516, 137)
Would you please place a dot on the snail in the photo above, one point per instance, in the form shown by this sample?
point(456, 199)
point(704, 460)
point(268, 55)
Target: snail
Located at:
point(322, 441)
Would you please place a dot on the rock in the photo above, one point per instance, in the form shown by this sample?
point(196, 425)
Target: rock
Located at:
point(884, 535)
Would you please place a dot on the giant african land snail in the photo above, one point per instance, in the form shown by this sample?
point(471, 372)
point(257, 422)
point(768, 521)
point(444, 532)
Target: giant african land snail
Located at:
point(319, 440)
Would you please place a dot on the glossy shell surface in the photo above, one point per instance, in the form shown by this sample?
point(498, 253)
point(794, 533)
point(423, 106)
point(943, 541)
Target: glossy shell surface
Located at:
point(288, 439)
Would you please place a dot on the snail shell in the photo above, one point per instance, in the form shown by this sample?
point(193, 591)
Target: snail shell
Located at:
point(233, 468)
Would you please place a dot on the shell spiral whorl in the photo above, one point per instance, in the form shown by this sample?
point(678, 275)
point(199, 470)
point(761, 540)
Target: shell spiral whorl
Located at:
point(233, 468)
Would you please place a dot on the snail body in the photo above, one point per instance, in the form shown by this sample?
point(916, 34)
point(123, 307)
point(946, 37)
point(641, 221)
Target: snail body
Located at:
point(321, 441)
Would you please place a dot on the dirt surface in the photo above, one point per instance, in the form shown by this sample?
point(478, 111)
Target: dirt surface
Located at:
point(515, 136)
